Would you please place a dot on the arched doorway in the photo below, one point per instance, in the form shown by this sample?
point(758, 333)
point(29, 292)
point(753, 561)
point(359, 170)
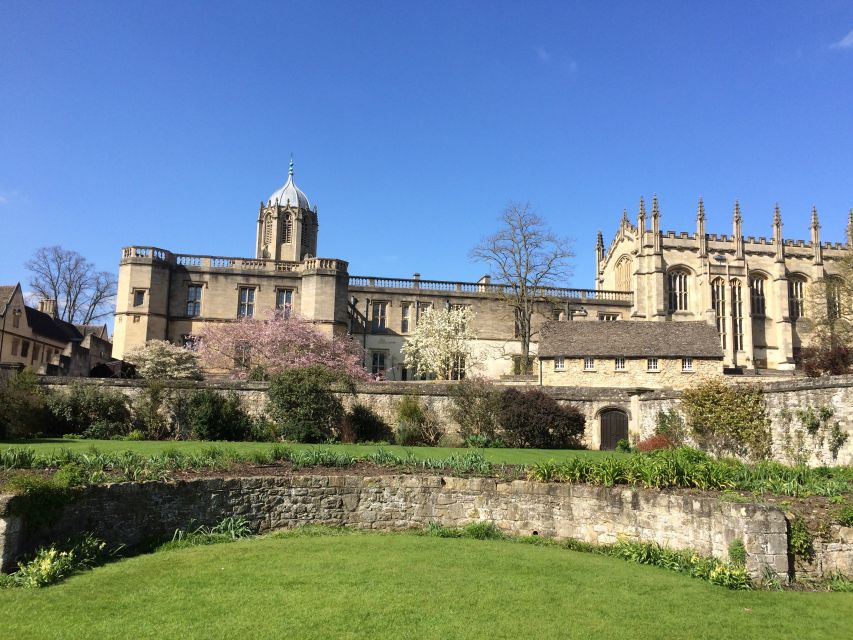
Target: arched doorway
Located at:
point(614, 427)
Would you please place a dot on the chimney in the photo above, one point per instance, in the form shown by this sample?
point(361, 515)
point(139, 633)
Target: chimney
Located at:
point(48, 306)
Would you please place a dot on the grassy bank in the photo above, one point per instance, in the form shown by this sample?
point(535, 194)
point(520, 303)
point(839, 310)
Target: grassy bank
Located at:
point(404, 586)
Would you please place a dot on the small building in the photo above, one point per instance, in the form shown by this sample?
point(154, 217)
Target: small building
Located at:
point(37, 339)
point(640, 354)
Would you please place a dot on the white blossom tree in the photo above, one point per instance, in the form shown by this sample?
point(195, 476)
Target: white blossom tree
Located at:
point(159, 359)
point(442, 344)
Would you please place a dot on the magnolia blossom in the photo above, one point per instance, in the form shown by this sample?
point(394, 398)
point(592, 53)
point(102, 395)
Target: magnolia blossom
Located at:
point(275, 343)
point(442, 344)
point(159, 359)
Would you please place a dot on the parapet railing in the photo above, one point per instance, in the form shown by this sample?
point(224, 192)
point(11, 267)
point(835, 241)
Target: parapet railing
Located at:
point(488, 288)
point(225, 262)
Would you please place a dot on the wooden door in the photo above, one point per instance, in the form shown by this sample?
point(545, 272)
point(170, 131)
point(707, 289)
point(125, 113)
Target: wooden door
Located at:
point(614, 427)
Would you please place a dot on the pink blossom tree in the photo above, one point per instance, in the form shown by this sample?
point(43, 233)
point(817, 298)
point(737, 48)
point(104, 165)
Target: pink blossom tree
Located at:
point(276, 343)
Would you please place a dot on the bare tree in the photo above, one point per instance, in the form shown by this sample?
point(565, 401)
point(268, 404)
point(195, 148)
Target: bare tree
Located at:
point(525, 257)
point(82, 294)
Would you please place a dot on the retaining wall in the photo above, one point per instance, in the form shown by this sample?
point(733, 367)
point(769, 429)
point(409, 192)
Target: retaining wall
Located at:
point(137, 514)
point(641, 405)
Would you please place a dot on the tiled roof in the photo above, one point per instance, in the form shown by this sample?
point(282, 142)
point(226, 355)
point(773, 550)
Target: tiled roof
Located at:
point(44, 325)
point(630, 338)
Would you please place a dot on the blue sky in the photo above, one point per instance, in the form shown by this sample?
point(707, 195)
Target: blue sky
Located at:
point(413, 124)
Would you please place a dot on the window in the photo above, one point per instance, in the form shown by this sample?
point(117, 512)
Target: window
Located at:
point(377, 366)
point(457, 369)
point(623, 274)
point(25, 348)
point(16, 343)
point(687, 364)
point(718, 302)
point(380, 315)
point(36, 352)
point(287, 229)
point(737, 315)
point(193, 300)
point(608, 317)
point(559, 363)
point(422, 307)
point(16, 318)
point(406, 317)
point(138, 297)
point(796, 297)
point(652, 364)
point(833, 297)
point(619, 364)
point(757, 301)
point(284, 301)
point(677, 284)
point(246, 302)
point(189, 341)
point(589, 364)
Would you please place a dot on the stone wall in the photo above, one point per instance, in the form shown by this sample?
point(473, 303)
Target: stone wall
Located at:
point(642, 405)
point(139, 514)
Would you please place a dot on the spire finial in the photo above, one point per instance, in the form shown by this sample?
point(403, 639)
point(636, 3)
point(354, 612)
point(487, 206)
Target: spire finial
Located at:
point(737, 217)
point(815, 222)
point(625, 214)
point(655, 208)
point(642, 213)
point(290, 173)
point(777, 215)
point(600, 242)
point(700, 211)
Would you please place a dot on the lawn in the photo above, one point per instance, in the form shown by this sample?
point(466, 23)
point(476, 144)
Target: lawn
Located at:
point(405, 586)
point(148, 447)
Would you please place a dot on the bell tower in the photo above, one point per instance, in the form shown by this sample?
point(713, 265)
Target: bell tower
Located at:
point(287, 226)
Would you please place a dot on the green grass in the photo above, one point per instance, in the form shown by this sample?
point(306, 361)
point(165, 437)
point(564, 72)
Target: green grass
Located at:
point(405, 586)
point(150, 447)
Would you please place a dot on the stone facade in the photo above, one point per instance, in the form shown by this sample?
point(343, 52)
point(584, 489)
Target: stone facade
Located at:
point(756, 290)
point(138, 514)
point(633, 373)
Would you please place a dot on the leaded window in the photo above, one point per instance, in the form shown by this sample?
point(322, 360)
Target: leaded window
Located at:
point(677, 291)
point(796, 297)
point(193, 300)
point(246, 302)
point(737, 315)
point(718, 302)
point(757, 301)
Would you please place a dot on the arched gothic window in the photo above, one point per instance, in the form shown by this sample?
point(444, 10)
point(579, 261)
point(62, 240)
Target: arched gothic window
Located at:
point(757, 300)
point(718, 301)
point(624, 271)
point(834, 297)
point(677, 286)
point(797, 297)
point(268, 229)
point(737, 314)
point(287, 229)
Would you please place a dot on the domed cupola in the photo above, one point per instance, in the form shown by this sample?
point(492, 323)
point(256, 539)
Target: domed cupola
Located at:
point(290, 195)
point(287, 226)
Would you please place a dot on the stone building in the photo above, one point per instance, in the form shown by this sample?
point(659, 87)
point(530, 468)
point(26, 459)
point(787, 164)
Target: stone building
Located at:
point(165, 295)
point(756, 286)
point(37, 339)
point(628, 355)
point(755, 290)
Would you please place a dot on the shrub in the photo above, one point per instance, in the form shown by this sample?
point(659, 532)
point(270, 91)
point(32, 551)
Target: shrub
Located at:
point(671, 426)
point(845, 516)
point(159, 411)
point(728, 419)
point(535, 419)
point(365, 425)
point(23, 407)
point(162, 360)
point(303, 405)
point(483, 442)
point(90, 410)
point(623, 446)
point(213, 416)
point(51, 565)
point(826, 359)
point(737, 553)
point(417, 425)
point(654, 443)
point(475, 407)
point(800, 539)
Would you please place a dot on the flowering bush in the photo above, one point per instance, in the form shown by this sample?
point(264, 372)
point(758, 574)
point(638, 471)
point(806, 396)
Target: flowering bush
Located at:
point(159, 359)
point(263, 348)
point(51, 565)
point(654, 443)
point(442, 343)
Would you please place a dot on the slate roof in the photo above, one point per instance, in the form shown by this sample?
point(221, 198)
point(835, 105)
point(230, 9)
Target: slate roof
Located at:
point(6, 292)
point(44, 325)
point(629, 338)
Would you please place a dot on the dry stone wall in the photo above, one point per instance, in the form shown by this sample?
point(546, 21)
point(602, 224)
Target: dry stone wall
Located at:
point(642, 405)
point(138, 514)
